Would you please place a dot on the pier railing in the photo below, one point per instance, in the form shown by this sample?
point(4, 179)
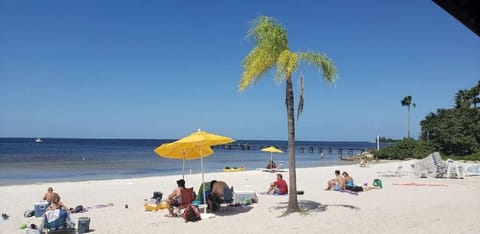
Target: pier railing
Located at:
point(302, 149)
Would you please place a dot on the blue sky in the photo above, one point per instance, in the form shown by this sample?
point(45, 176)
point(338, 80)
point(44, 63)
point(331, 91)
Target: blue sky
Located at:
point(162, 69)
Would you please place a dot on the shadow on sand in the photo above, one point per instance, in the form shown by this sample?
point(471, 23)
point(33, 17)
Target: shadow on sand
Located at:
point(307, 206)
point(233, 210)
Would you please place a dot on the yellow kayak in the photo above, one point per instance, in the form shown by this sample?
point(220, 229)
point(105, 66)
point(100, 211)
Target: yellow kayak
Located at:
point(233, 169)
point(149, 206)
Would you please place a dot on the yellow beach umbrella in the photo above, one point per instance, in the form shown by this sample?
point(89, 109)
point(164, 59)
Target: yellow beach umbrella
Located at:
point(202, 139)
point(271, 149)
point(174, 151)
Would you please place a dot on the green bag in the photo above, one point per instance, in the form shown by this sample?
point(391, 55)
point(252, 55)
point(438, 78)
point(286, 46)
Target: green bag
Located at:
point(377, 183)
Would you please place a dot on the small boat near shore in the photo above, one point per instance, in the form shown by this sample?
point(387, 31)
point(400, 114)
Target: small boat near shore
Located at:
point(38, 140)
point(233, 169)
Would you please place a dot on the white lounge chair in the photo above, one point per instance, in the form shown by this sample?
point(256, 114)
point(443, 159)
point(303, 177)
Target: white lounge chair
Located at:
point(396, 173)
point(472, 170)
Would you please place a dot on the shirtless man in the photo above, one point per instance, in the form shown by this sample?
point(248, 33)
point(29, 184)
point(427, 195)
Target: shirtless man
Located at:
point(338, 180)
point(175, 198)
point(51, 196)
point(217, 189)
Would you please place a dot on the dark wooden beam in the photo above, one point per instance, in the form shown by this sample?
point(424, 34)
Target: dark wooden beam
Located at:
point(465, 11)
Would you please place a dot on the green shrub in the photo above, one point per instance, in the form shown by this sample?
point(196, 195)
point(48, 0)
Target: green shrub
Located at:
point(406, 148)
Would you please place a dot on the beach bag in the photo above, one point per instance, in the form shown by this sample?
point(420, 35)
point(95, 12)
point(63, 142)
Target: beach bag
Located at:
point(191, 214)
point(29, 213)
point(158, 196)
point(55, 219)
point(377, 183)
point(77, 209)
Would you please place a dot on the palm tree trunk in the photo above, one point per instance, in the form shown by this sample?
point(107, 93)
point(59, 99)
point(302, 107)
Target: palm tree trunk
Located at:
point(408, 130)
point(292, 195)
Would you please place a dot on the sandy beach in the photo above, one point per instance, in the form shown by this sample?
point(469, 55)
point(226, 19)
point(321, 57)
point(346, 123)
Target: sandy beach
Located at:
point(404, 205)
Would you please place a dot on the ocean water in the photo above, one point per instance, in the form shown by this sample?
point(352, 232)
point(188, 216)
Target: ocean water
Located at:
point(23, 161)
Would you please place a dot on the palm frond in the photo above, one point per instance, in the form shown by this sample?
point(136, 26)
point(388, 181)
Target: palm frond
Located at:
point(326, 65)
point(407, 101)
point(266, 31)
point(258, 62)
point(270, 40)
point(287, 64)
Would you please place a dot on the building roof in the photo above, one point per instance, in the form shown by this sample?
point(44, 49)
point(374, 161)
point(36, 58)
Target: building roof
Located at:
point(465, 11)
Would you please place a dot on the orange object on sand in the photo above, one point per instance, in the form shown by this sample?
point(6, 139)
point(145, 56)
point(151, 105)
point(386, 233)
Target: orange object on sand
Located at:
point(416, 184)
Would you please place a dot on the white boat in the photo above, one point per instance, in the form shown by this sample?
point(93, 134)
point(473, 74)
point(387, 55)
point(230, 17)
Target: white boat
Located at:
point(38, 140)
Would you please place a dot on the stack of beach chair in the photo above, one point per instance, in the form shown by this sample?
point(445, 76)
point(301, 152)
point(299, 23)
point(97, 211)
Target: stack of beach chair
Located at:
point(433, 166)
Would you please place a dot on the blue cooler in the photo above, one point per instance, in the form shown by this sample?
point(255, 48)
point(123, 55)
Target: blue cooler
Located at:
point(40, 208)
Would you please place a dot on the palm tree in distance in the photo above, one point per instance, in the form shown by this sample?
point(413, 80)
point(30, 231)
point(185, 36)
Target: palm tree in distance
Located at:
point(476, 95)
point(271, 50)
point(468, 98)
point(407, 101)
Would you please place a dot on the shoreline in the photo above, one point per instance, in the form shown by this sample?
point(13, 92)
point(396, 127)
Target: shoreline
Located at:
point(450, 208)
point(29, 180)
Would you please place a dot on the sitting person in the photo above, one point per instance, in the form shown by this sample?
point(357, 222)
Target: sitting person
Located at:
point(349, 184)
point(216, 194)
point(51, 196)
point(60, 205)
point(337, 183)
point(278, 187)
point(175, 198)
point(271, 165)
point(362, 162)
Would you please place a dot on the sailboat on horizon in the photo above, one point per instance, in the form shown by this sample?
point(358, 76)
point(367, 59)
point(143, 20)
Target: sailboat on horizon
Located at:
point(38, 140)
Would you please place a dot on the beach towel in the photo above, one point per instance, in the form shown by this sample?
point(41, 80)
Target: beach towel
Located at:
point(52, 215)
point(97, 206)
point(348, 191)
point(200, 192)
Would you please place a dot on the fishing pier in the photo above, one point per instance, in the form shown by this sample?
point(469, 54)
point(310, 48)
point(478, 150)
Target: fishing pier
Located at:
point(340, 150)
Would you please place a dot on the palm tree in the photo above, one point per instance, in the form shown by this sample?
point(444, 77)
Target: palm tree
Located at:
point(475, 95)
point(407, 101)
point(468, 97)
point(271, 50)
point(460, 98)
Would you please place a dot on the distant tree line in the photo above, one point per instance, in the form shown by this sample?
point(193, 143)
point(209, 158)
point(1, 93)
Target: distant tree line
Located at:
point(453, 132)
